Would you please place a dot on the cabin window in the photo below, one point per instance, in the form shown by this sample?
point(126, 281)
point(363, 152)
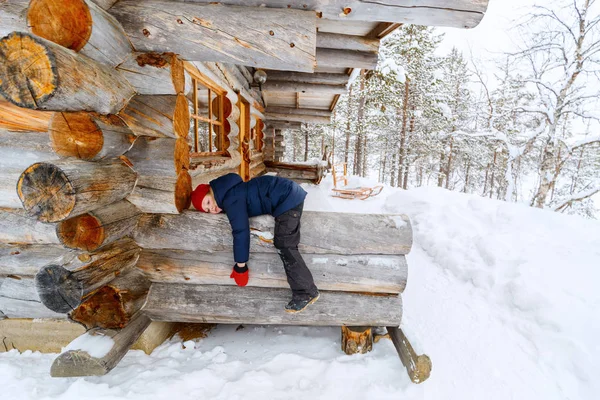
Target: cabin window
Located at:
point(209, 125)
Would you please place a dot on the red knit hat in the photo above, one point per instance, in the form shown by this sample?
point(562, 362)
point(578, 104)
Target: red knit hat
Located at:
point(198, 195)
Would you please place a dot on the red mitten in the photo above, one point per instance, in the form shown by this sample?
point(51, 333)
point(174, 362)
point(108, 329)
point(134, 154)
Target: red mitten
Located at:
point(240, 275)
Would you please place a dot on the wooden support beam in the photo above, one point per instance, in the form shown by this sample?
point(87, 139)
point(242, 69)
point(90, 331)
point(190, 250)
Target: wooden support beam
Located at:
point(27, 259)
point(282, 125)
point(298, 111)
point(81, 26)
point(62, 286)
point(156, 74)
point(454, 14)
point(306, 118)
point(346, 42)
point(19, 299)
point(334, 58)
point(249, 305)
point(89, 136)
point(164, 184)
point(57, 190)
point(320, 78)
point(18, 150)
point(358, 273)
point(158, 116)
point(112, 306)
point(18, 119)
point(17, 227)
point(357, 339)
point(99, 227)
point(33, 71)
point(281, 86)
point(297, 172)
point(215, 32)
point(363, 233)
point(81, 359)
point(417, 366)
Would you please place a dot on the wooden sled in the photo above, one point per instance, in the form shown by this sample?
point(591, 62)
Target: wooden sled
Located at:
point(361, 193)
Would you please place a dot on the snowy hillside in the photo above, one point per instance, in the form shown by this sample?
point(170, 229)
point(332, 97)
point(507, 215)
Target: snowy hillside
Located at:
point(502, 297)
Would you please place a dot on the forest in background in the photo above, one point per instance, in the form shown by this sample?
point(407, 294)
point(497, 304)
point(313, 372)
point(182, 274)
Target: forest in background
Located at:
point(521, 127)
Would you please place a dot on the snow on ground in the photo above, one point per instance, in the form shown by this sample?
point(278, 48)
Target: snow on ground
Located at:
point(502, 297)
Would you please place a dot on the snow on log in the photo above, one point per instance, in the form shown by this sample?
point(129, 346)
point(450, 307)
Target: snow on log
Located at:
point(99, 350)
point(251, 305)
point(89, 136)
point(113, 305)
point(62, 286)
point(156, 74)
point(38, 74)
point(18, 150)
point(18, 119)
point(57, 190)
point(81, 26)
point(254, 36)
point(99, 227)
point(322, 233)
point(19, 299)
point(17, 227)
point(164, 184)
point(28, 259)
point(354, 273)
point(159, 116)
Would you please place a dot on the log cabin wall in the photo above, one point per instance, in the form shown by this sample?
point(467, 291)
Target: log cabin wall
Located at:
point(96, 171)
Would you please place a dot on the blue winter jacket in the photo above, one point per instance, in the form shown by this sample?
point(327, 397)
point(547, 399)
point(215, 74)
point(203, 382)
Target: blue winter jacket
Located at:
point(241, 200)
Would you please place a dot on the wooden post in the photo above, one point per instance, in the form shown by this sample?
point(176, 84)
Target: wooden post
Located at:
point(34, 71)
point(158, 116)
point(54, 191)
point(285, 40)
point(81, 360)
point(357, 339)
point(89, 136)
point(417, 366)
point(99, 227)
point(113, 305)
point(62, 286)
point(81, 26)
point(156, 74)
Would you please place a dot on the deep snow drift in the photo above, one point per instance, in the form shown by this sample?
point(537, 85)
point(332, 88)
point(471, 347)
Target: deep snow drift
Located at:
point(502, 297)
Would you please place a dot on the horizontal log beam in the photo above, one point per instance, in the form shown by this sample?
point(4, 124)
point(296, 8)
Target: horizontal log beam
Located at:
point(281, 125)
point(254, 36)
point(321, 78)
point(369, 274)
point(333, 58)
point(28, 259)
point(234, 305)
point(17, 227)
point(156, 74)
point(298, 111)
point(297, 87)
point(454, 14)
point(19, 299)
point(306, 118)
point(327, 40)
point(322, 233)
point(19, 119)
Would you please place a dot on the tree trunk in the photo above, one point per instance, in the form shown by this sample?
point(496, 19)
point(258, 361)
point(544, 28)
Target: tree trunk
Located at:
point(79, 360)
point(347, 147)
point(63, 286)
point(98, 228)
point(158, 116)
point(221, 33)
point(306, 145)
point(449, 164)
point(89, 136)
point(54, 191)
point(402, 153)
point(441, 171)
point(156, 74)
point(363, 233)
point(493, 173)
point(355, 273)
point(30, 76)
point(360, 130)
point(81, 26)
point(113, 305)
point(357, 339)
point(546, 175)
point(228, 304)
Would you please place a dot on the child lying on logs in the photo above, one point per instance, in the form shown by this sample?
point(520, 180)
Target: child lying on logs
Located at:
point(279, 197)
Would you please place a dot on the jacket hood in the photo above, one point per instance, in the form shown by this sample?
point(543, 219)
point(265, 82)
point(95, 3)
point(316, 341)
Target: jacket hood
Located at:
point(222, 184)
